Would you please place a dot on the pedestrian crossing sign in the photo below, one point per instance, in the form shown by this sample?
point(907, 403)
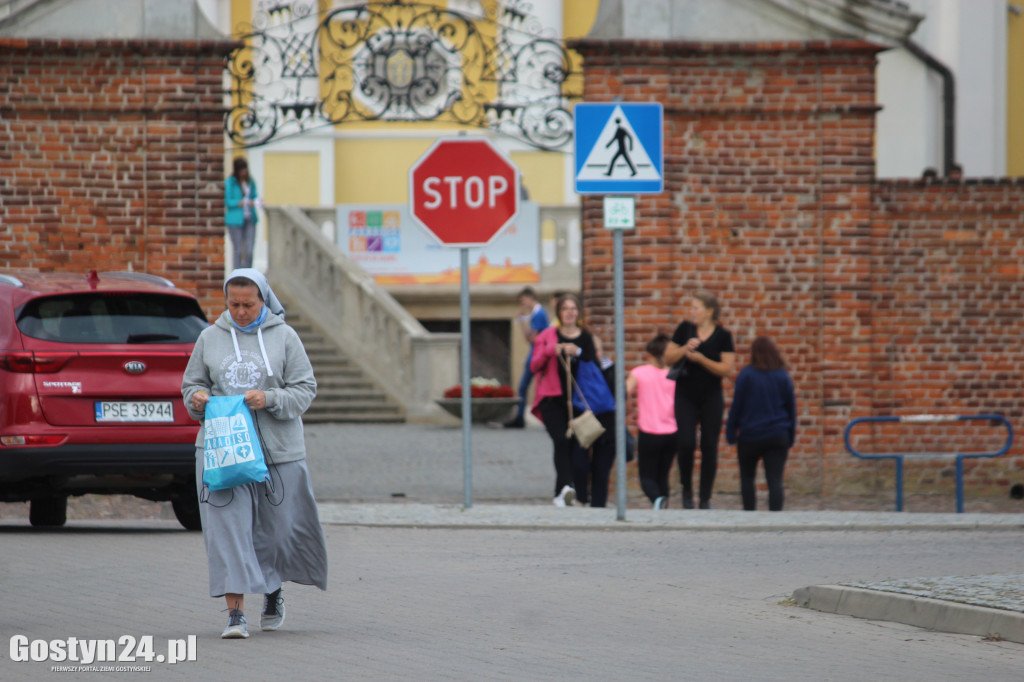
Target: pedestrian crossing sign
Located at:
point(619, 148)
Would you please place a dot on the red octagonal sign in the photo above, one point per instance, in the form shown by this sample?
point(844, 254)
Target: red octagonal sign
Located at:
point(464, 191)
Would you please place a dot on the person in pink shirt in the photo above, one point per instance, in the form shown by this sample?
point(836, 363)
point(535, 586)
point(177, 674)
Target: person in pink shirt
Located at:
point(656, 419)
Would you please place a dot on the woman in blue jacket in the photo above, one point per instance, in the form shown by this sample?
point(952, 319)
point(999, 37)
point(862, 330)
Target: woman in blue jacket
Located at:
point(240, 203)
point(762, 422)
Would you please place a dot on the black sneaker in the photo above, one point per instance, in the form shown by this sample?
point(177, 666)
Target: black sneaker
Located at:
point(273, 611)
point(687, 502)
point(515, 424)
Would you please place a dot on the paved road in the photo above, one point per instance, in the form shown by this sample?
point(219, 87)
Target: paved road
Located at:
point(514, 589)
point(441, 603)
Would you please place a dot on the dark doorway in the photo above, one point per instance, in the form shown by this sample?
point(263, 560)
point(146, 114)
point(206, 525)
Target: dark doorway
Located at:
point(489, 346)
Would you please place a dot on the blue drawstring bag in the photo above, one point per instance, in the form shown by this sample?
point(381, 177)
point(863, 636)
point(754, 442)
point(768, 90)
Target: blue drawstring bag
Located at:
point(596, 394)
point(232, 454)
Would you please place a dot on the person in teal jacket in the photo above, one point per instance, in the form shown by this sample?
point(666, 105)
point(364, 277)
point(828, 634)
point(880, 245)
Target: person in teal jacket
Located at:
point(240, 203)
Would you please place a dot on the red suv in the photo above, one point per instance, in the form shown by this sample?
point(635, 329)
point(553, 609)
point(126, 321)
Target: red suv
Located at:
point(90, 390)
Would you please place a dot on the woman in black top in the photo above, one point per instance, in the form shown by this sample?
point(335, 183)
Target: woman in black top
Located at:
point(704, 351)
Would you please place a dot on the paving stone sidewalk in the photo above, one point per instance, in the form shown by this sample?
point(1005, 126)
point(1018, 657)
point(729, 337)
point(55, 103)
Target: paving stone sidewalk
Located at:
point(410, 476)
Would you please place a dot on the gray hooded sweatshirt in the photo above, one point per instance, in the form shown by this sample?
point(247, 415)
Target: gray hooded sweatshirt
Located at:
point(272, 360)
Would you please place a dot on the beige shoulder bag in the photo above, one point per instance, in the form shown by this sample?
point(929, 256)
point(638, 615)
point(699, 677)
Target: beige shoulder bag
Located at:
point(586, 426)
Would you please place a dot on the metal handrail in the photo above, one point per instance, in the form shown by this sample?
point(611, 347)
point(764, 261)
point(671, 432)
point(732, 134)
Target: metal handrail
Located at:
point(925, 419)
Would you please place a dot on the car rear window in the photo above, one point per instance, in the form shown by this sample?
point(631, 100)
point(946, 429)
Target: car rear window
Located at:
point(113, 318)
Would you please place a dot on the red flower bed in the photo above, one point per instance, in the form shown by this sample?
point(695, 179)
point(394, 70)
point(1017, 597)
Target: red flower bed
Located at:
point(480, 392)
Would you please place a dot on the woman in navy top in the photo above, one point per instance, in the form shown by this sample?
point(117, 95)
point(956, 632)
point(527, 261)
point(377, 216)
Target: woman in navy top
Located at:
point(762, 421)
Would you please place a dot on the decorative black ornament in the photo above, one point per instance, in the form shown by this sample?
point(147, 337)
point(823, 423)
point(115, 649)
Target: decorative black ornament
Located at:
point(400, 61)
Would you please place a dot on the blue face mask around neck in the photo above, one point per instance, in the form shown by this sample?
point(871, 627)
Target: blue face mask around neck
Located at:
point(252, 326)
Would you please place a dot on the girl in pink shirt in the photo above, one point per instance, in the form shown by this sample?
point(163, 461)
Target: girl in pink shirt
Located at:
point(655, 417)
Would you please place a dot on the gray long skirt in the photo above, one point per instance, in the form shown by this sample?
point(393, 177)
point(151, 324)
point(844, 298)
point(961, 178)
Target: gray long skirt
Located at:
point(260, 535)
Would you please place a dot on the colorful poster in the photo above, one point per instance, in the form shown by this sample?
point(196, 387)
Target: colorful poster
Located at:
point(386, 241)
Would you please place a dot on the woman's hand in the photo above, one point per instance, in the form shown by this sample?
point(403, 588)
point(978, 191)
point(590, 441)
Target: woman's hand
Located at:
point(697, 357)
point(199, 400)
point(691, 353)
point(255, 399)
point(569, 349)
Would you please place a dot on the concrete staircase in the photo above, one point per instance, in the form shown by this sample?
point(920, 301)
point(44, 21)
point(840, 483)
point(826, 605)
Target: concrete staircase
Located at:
point(373, 360)
point(344, 393)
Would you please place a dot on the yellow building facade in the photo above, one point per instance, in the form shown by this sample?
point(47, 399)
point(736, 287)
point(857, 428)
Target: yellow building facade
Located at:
point(361, 152)
point(368, 160)
point(1015, 94)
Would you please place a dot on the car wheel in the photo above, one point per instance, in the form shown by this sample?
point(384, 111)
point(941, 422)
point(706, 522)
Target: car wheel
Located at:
point(48, 511)
point(186, 509)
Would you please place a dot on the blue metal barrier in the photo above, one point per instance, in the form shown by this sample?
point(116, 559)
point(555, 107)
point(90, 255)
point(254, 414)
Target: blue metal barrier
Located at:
point(931, 418)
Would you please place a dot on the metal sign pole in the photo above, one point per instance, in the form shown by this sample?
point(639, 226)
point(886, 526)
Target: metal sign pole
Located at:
point(467, 403)
point(619, 215)
point(468, 212)
point(620, 385)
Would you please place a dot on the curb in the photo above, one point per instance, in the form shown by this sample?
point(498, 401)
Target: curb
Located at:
point(486, 516)
point(922, 612)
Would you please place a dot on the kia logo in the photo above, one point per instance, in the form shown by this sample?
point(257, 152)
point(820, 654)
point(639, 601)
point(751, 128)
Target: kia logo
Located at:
point(135, 367)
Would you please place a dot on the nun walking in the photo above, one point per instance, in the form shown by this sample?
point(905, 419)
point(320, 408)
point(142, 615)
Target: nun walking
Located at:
point(257, 535)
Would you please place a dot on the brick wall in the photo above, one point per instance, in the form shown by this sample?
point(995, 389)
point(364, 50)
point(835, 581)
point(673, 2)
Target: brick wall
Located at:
point(113, 158)
point(948, 316)
point(885, 298)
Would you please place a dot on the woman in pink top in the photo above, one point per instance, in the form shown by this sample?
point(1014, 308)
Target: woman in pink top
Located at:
point(656, 420)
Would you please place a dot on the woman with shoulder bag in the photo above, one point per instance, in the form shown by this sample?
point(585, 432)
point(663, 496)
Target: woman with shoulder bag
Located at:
point(570, 343)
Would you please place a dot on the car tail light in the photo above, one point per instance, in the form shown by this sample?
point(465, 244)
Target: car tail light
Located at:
point(47, 363)
point(17, 362)
point(53, 439)
point(34, 363)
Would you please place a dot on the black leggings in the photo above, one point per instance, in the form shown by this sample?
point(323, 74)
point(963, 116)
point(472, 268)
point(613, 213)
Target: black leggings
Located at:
point(555, 414)
point(705, 410)
point(655, 454)
point(592, 468)
point(774, 452)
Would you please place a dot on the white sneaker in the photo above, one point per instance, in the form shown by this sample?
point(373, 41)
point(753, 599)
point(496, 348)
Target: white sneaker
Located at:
point(558, 501)
point(237, 628)
point(658, 503)
point(568, 495)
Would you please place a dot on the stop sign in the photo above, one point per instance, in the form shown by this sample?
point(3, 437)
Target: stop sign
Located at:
point(464, 191)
